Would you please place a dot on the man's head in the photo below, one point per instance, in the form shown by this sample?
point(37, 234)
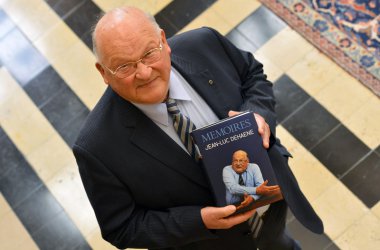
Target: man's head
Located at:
point(240, 161)
point(126, 35)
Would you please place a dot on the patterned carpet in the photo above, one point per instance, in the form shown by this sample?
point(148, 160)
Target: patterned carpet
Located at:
point(348, 31)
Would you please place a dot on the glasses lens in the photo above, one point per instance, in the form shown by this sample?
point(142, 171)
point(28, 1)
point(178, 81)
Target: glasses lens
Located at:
point(152, 56)
point(125, 71)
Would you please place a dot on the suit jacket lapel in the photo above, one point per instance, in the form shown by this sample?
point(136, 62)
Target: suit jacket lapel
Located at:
point(202, 80)
point(150, 138)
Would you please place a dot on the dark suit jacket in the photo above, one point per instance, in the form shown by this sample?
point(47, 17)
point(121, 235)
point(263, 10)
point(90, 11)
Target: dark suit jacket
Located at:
point(145, 190)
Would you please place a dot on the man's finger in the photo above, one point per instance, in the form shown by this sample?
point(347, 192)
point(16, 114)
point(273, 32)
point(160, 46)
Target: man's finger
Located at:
point(226, 211)
point(239, 218)
point(264, 183)
point(232, 113)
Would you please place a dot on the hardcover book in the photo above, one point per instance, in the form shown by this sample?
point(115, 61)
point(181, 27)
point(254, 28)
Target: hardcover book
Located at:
point(236, 163)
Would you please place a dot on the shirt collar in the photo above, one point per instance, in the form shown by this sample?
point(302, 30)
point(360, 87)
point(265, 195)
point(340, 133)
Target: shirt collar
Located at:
point(158, 112)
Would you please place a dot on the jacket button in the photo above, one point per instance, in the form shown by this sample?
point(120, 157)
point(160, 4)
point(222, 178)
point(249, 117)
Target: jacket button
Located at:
point(211, 82)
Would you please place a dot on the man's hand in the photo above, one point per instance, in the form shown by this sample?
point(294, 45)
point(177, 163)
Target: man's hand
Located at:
point(247, 200)
point(216, 217)
point(263, 127)
point(263, 189)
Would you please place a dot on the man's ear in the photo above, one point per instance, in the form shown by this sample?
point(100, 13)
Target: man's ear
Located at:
point(164, 41)
point(101, 70)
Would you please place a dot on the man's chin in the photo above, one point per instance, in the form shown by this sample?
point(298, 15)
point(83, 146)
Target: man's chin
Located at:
point(154, 96)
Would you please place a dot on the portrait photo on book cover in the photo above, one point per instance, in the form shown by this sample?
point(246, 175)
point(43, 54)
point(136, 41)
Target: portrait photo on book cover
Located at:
point(246, 187)
point(236, 163)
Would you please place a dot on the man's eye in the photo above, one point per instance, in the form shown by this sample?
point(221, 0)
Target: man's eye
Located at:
point(124, 67)
point(149, 54)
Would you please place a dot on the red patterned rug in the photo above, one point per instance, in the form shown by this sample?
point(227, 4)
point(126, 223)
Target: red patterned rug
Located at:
point(348, 31)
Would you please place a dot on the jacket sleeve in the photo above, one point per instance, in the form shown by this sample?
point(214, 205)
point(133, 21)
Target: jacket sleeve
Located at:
point(123, 223)
point(256, 90)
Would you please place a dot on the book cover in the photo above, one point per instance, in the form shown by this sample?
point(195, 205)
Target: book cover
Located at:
point(236, 163)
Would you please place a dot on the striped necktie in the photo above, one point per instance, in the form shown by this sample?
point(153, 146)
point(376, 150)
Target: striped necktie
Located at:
point(241, 181)
point(255, 222)
point(182, 125)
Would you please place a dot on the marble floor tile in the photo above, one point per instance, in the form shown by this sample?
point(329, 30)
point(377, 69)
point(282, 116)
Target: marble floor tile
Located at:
point(87, 84)
point(289, 97)
point(63, 7)
point(272, 71)
point(178, 14)
point(286, 48)
point(376, 210)
point(338, 209)
point(4, 207)
point(362, 234)
point(209, 18)
point(56, 41)
point(313, 178)
point(310, 123)
point(234, 12)
point(343, 96)
point(50, 157)
point(6, 24)
point(8, 86)
point(217, 17)
point(314, 72)
point(44, 87)
point(13, 235)
point(33, 17)
point(67, 188)
point(241, 41)
point(152, 6)
point(307, 239)
point(96, 241)
point(364, 123)
point(361, 178)
point(20, 57)
point(261, 26)
point(340, 151)
point(18, 117)
point(82, 19)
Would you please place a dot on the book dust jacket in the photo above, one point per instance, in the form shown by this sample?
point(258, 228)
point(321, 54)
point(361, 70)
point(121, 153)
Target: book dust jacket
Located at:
point(236, 163)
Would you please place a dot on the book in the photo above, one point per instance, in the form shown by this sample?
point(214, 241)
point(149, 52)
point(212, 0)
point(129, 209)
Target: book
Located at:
point(236, 163)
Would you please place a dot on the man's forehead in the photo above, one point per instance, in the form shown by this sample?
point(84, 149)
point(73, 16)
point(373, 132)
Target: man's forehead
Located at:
point(120, 30)
point(240, 154)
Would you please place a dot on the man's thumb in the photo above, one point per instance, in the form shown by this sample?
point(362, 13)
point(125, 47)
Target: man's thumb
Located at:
point(227, 211)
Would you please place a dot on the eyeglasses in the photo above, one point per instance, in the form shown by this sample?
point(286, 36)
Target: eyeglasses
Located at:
point(129, 68)
point(239, 161)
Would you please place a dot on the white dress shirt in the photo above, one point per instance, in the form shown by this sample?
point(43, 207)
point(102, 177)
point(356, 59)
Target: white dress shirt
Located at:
point(189, 102)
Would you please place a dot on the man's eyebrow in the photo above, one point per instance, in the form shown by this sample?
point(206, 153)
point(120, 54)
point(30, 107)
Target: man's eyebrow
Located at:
point(118, 61)
point(121, 60)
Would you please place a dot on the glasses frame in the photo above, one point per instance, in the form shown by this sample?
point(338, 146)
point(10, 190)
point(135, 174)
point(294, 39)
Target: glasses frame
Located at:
point(134, 64)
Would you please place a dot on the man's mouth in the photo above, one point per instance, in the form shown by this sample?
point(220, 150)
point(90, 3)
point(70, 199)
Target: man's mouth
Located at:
point(146, 83)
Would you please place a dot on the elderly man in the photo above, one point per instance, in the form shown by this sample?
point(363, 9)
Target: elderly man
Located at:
point(146, 189)
point(242, 177)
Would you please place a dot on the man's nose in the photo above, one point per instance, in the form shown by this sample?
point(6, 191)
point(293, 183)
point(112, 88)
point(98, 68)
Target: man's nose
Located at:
point(143, 71)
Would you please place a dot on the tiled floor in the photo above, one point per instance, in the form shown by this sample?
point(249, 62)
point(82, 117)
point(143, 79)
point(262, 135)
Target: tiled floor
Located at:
point(48, 84)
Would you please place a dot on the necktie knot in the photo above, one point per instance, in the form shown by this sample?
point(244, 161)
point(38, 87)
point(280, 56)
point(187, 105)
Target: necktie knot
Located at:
point(172, 107)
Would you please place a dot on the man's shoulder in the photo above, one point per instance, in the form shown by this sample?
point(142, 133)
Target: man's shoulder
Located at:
point(252, 166)
point(227, 168)
point(202, 35)
point(102, 121)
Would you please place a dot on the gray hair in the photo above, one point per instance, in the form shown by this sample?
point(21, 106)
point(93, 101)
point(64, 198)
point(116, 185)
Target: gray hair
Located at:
point(124, 9)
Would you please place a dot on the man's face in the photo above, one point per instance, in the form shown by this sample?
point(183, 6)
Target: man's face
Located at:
point(239, 162)
point(131, 40)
